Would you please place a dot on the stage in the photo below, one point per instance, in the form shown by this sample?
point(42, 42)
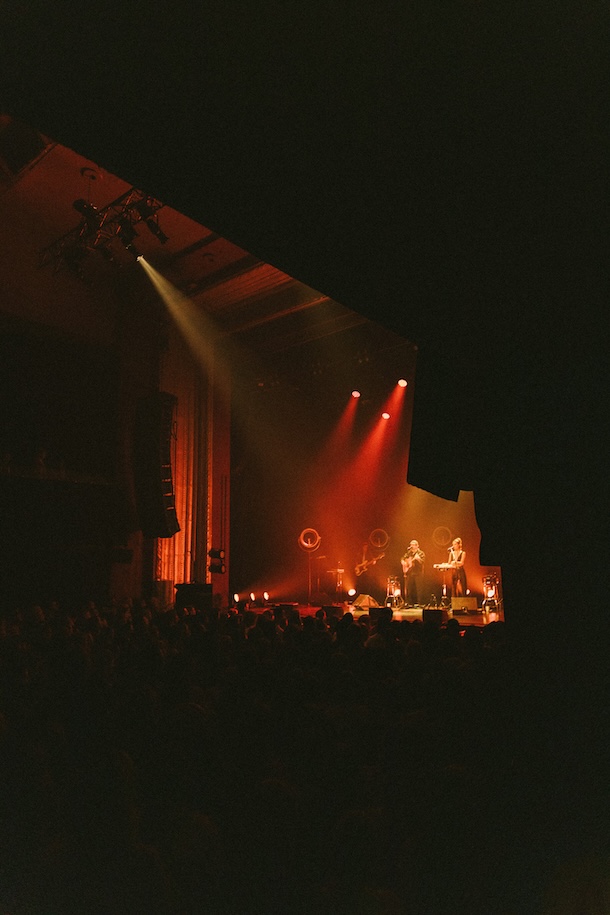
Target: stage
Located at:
point(471, 615)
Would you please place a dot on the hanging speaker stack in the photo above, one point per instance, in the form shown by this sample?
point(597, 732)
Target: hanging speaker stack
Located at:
point(152, 465)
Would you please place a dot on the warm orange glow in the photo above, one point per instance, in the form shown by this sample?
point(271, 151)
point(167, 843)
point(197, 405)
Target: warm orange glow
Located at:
point(357, 480)
point(344, 484)
point(394, 409)
point(338, 443)
point(352, 486)
point(224, 365)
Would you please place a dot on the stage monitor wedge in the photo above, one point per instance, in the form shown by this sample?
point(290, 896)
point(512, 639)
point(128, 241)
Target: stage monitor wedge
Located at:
point(365, 600)
point(464, 604)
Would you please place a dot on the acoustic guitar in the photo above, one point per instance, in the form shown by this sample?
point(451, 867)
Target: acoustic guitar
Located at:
point(408, 562)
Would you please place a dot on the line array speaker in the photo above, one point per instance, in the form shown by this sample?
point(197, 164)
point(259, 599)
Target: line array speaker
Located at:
point(152, 465)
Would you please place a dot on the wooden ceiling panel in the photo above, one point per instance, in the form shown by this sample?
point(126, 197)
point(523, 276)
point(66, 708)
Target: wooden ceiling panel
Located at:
point(258, 303)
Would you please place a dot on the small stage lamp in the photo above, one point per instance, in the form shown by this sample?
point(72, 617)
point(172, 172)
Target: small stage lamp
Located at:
point(217, 563)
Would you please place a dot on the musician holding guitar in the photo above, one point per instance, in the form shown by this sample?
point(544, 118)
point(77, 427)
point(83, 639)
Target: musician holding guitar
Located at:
point(363, 566)
point(366, 581)
point(413, 571)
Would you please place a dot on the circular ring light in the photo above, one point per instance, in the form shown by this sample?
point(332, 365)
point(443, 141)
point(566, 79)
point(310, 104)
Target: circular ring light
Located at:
point(441, 536)
point(309, 540)
point(379, 538)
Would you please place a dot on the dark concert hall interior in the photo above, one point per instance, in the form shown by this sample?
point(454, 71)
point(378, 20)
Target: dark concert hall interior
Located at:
point(304, 500)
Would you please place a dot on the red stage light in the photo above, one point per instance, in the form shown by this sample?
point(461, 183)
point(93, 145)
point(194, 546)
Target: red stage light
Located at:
point(385, 415)
point(355, 393)
point(402, 383)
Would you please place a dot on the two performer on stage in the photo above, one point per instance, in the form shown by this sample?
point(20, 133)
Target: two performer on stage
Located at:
point(413, 568)
point(413, 562)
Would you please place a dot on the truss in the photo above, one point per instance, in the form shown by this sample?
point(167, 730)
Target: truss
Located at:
point(100, 227)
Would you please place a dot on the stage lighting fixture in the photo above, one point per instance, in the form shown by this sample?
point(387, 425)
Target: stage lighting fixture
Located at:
point(402, 383)
point(217, 564)
point(92, 215)
point(156, 230)
point(490, 586)
point(385, 415)
point(144, 208)
point(355, 393)
point(81, 206)
point(147, 213)
point(98, 228)
point(127, 234)
point(491, 602)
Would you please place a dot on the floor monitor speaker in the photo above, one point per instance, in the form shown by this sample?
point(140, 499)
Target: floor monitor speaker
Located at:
point(464, 604)
point(365, 600)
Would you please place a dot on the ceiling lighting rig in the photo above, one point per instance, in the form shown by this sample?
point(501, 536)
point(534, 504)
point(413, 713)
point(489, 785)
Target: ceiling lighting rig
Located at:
point(99, 229)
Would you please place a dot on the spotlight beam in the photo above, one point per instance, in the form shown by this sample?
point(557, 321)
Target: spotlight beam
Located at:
point(222, 360)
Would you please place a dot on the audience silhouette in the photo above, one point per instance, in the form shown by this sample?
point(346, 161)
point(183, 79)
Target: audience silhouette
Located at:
point(242, 762)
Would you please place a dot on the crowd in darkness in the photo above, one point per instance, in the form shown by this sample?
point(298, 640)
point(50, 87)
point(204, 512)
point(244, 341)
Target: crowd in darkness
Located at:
point(171, 761)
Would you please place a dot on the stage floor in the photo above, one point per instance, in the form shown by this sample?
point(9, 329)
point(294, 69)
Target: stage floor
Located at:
point(477, 617)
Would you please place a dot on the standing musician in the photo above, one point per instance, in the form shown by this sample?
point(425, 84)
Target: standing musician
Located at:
point(363, 566)
point(413, 570)
point(366, 580)
point(457, 557)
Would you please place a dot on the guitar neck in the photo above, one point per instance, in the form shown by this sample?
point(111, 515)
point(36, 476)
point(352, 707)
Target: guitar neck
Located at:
point(363, 566)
